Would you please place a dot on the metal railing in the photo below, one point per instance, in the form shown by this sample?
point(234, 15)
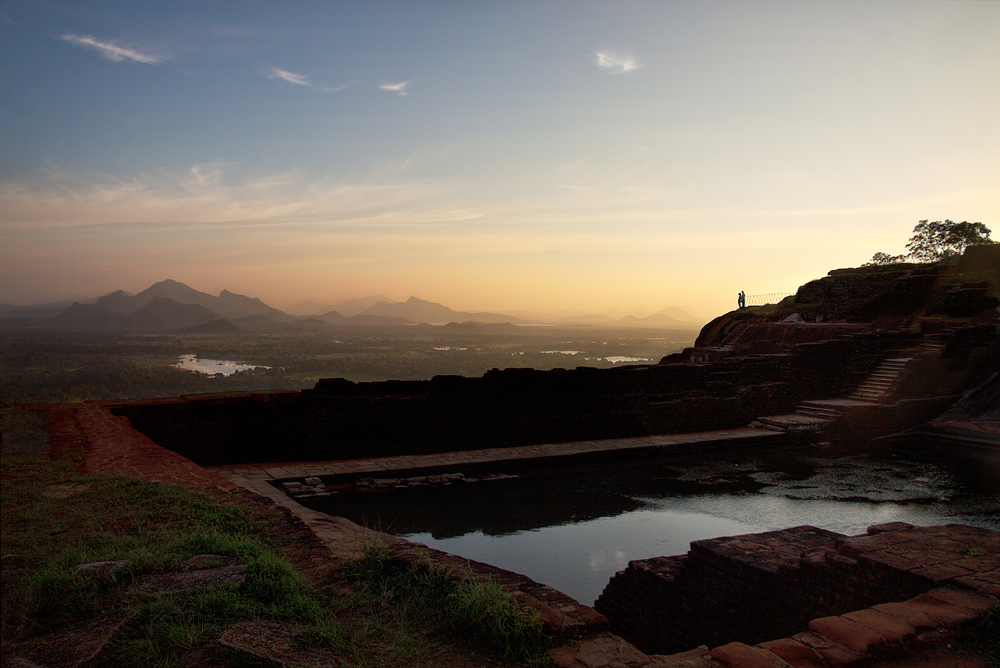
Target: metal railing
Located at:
point(767, 298)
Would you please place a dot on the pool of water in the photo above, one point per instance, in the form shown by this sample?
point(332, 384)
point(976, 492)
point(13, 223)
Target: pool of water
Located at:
point(574, 530)
point(212, 367)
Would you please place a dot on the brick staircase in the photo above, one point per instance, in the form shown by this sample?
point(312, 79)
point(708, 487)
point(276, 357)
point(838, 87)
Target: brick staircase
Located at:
point(882, 381)
point(815, 414)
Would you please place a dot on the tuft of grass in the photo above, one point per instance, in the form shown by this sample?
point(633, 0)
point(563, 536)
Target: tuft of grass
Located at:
point(481, 612)
point(374, 614)
point(155, 527)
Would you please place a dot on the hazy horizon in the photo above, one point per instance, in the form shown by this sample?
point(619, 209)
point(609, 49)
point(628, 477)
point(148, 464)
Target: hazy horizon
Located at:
point(297, 307)
point(568, 156)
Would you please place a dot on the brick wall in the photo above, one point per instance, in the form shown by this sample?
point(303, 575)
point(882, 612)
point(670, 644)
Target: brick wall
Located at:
point(339, 419)
point(760, 587)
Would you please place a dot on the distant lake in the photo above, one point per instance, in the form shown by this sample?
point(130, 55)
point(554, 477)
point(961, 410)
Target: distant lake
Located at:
point(212, 367)
point(614, 359)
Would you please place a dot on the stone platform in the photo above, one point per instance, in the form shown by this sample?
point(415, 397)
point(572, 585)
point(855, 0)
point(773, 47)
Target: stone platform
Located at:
point(954, 568)
point(562, 454)
point(838, 600)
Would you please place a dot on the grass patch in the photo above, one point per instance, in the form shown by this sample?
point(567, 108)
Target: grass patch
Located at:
point(54, 518)
point(373, 613)
point(480, 612)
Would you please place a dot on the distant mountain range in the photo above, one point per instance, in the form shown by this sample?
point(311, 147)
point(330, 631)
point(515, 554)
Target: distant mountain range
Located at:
point(171, 306)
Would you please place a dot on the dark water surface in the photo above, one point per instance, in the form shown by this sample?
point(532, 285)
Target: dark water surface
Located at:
point(574, 530)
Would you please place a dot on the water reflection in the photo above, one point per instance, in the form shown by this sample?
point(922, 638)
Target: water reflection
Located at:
point(212, 367)
point(573, 531)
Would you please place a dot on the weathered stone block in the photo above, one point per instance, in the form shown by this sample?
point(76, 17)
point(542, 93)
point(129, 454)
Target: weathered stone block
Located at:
point(738, 655)
point(910, 614)
point(850, 634)
point(795, 653)
point(892, 629)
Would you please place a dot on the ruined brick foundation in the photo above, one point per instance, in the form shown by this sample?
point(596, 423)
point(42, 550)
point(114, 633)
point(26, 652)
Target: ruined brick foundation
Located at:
point(761, 587)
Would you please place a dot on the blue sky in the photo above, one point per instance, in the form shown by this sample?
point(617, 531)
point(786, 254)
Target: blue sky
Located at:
point(489, 155)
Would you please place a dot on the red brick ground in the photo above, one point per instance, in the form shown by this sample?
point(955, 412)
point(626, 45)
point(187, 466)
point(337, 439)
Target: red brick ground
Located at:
point(99, 442)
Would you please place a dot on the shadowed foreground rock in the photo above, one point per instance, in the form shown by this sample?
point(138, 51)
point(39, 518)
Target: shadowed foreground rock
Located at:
point(74, 648)
point(169, 583)
point(837, 599)
point(278, 643)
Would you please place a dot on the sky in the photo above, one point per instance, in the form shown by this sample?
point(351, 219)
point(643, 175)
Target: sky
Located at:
point(491, 155)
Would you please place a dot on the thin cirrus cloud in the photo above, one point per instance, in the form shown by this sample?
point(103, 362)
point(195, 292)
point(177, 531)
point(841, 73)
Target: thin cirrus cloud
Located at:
point(398, 88)
point(615, 63)
point(213, 193)
point(110, 50)
point(290, 77)
point(302, 80)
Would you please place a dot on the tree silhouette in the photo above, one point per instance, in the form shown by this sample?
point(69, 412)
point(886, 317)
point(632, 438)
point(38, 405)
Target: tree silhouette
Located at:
point(932, 241)
point(880, 258)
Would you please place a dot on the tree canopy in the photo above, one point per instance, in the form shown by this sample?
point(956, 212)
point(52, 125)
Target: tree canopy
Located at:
point(937, 240)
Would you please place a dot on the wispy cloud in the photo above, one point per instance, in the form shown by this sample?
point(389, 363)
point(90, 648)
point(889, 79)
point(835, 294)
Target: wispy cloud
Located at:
point(110, 50)
point(615, 63)
point(302, 80)
point(290, 77)
point(398, 88)
point(216, 193)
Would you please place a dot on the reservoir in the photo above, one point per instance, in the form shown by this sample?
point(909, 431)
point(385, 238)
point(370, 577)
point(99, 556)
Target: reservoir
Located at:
point(210, 366)
point(573, 530)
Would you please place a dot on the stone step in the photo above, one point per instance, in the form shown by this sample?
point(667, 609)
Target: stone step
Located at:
point(876, 383)
point(881, 378)
point(819, 403)
point(818, 413)
point(820, 407)
point(819, 416)
point(864, 396)
point(794, 422)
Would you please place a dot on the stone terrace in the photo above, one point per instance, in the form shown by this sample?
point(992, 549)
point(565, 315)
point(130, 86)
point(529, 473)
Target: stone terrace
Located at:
point(839, 600)
point(955, 571)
